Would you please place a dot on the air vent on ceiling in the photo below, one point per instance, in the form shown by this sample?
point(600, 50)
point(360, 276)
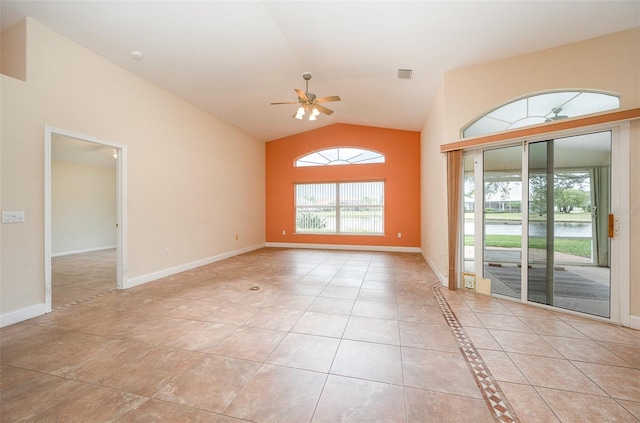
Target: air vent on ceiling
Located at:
point(405, 73)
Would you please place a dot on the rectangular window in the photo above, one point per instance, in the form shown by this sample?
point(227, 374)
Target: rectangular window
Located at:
point(348, 208)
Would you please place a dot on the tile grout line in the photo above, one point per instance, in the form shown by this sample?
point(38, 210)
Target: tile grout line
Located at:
point(493, 396)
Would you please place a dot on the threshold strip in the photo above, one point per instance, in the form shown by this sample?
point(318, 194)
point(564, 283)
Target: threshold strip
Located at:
point(84, 300)
point(493, 396)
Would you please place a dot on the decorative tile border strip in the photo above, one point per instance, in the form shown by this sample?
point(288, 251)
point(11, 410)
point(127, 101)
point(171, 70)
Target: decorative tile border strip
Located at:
point(84, 300)
point(493, 396)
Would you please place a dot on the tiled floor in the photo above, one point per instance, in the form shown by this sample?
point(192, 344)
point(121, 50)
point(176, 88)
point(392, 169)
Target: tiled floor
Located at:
point(76, 277)
point(330, 336)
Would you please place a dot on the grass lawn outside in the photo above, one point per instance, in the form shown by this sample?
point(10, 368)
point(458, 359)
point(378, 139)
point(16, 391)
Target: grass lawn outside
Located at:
point(558, 217)
point(580, 247)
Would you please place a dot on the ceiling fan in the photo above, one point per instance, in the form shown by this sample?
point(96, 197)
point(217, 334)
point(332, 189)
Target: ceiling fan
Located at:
point(556, 110)
point(309, 102)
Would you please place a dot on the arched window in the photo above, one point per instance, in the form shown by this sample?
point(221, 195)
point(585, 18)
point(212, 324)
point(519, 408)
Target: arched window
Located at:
point(541, 108)
point(340, 156)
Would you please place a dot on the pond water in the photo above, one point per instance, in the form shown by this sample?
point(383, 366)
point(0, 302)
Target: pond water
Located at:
point(561, 229)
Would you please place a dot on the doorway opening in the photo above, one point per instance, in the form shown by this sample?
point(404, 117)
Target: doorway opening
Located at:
point(85, 217)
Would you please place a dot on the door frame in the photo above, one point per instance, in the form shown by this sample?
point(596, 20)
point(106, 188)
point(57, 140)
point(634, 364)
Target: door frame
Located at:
point(121, 206)
point(620, 259)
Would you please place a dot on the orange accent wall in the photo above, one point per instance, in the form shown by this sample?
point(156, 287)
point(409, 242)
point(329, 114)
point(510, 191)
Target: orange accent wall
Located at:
point(401, 173)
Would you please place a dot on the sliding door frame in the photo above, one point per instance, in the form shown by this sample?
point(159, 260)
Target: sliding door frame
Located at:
point(620, 258)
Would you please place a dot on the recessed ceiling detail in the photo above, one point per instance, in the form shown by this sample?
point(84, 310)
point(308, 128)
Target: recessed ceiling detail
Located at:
point(541, 108)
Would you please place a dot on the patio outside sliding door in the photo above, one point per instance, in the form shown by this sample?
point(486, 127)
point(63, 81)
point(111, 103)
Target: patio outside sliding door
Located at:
point(568, 260)
point(502, 218)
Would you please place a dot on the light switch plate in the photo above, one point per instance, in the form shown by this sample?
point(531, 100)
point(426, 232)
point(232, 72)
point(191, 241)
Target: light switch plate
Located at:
point(12, 217)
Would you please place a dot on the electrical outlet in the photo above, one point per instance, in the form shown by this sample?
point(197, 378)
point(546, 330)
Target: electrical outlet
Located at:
point(284, 232)
point(399, 234)
point(166, 251)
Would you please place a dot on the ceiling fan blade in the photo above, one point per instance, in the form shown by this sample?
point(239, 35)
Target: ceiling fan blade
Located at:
point(323, 109)
point(327, 99)
point(287, 102)
point(301, 94)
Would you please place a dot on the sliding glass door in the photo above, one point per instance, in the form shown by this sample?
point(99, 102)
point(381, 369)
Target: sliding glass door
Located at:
point(502, 247)
point(568, 264)
point(545, 221)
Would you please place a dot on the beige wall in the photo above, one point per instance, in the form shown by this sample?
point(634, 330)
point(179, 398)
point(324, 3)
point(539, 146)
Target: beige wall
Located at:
point(13, 61)
point(434, 189)
point(610, 63)
point(194, 182)
point(83, 207)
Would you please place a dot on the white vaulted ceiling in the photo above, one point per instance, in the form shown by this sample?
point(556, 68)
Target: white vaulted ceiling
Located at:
point(234, 58)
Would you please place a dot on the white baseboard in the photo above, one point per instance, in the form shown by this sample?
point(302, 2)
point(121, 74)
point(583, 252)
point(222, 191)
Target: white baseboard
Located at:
point(634, 322)
point(149, 277)
point(85, 250)
point(442, 278)
point(344, 247)
point(22, 314)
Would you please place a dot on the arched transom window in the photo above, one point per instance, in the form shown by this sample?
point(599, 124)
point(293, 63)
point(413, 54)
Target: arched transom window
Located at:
point(541, 108)
point(340, 156)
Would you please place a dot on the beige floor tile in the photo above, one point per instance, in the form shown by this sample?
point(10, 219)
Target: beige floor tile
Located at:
point(428, 406)
point(425, 314)
point(501, 366)
point(372, 330)
point(438, 371)
point(27, 393)
point(308, 352)
point(292, 301)
point(503, 322)
point(377, 295)
point(55, 352)
point(365, 360)
point(157, 411)
point(375, 309)
point(91, 404)
point(577, 407)
point(384, 402)
point(629, 353)
point(424, 335)
point(488, 305)
point(468, 319)
point(525, 343)
point(632, 407)
point(210, 384)
point(584, 350)
point(606, 333)
point(275, 318)
point(527, 403)
point(332, 305)
point(619, 382)
point(553, 327)
point(554, 373)
point(190, 339)
point(152, 366)
point(482, 338)
point(247, 343)
point(293, 401)
point(344, 292)
point(322, 324)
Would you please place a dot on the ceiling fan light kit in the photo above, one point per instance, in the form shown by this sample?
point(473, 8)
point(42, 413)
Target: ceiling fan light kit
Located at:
point(308, 102)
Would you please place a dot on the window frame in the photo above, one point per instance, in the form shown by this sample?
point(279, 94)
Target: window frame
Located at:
point(338, 205)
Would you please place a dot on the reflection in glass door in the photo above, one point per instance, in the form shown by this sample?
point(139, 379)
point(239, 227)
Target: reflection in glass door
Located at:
point(502, 217)
point(568, 262)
